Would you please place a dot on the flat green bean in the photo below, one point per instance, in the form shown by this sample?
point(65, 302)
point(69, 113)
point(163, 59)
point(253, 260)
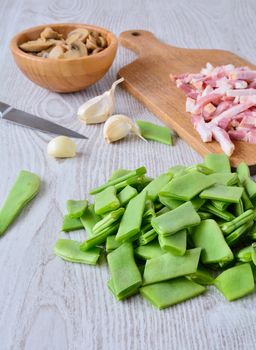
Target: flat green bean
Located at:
point(208, 236)
point(187, 186)
point(217, 162)
point(155, 186)
point(155, 132)
point(230, 226)
point(111, 244)
point(76, 208)
point(106, 201)
point(245, 254)
point(234, 237)
point(111, 287)
point(25, 188)
point(175, 243)
point(223, 193)
point(147, 237)
point(235, 282)
point(126, 194)
point(176, 220)
point(225, 215)
point(108, 220)
point(149, 251)
point(71, 224)
point(220, 205)
point(89, 219)
point(201, 276)
point(69, 250)
point(131, 221)
point(244, 176)
point(124, 272)
point(168, 266)
point(228, 179)
point(166, 294)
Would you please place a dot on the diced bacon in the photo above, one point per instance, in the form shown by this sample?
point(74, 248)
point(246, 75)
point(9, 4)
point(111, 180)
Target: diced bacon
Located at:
point(187, 89)
point(232, 112)
point(190, 104)
point(248, 121)
point(237, 134)
point(241, 92)
point(222, 106)
point(222, 137)
point(241, 84)
point(207, 90)
point(243, 75)
point(202, 128)
point(208, 110)
point(212, 97)
point(207, 70)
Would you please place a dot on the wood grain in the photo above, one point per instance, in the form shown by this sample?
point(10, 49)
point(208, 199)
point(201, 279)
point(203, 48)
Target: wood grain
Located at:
point(147, 79)
point(46, 303)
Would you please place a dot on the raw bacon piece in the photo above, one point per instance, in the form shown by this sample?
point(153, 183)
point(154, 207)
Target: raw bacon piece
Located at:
point(223, 138)
point(202, 128)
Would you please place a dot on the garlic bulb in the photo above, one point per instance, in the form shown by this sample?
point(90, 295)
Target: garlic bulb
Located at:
point(61, 147)
point(99, 108)
point(118, 126)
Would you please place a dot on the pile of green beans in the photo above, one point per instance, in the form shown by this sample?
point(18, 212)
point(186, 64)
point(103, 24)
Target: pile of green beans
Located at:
point(168, 238)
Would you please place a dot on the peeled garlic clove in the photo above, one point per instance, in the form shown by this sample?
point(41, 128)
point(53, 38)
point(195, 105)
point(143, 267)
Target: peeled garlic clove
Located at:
point(61, 147)
point(98, 109)
point(119, 126)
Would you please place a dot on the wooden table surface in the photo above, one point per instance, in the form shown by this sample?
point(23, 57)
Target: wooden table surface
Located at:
point(46, 303)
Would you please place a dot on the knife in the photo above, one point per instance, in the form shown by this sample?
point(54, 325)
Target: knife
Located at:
point(30, 121)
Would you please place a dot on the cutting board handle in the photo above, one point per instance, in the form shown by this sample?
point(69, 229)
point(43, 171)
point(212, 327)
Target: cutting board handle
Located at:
point(140, 41)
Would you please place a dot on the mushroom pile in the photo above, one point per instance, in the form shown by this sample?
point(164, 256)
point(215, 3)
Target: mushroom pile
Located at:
point(79, 42)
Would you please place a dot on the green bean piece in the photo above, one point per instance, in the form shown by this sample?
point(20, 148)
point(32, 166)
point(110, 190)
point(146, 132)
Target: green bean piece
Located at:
point(106, 201)
point(155, 132)
point(176, 220)
point(236, 236)
point(205, 215)
point(111, 287)
point(197, 202)
point(208, 236)
point(108, 220)
point(225, 215)
point(119, 173)
point(69, 250)
point(245, 254)
point(124, 272)
point(168, 266)
point(149, 251)
point(149, 210)
point(155, 186)
point(162, 211)
point(187, 186)
point(132, 218)
point(220, 205)
point(111, 243)
point(76, 208)
point(89, 219)
point(223, 193)
point(238, 208)
point(201, 168)
point(170, 202)
point(235, 282)
point(100, 237)
point(227, 179)
point(158, 205)
point(201, 276)
point(243, 171)
point(230, 226)
point(25, 188)
point(165, 294)
point(126, 195)
point(71, 224)
point(131, 174)
point(218, 162)
point(177, 170)
point(147, 237)
point(252, 233)
point(250, 187)
point(176, 243)
point(137, 181)
point(245, 198)
point(244, 176)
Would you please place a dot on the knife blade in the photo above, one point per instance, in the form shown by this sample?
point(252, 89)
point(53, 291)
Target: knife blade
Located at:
point(30, 121)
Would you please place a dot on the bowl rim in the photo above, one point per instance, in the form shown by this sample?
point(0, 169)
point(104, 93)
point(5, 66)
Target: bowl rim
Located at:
point(16, 50)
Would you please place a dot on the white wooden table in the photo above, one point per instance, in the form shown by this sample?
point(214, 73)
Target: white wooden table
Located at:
point(46, 303)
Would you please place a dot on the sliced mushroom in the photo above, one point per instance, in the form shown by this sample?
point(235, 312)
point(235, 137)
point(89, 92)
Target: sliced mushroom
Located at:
point(95, 35)
point(49, 33)
point(78, 49)
point(91, 44)
point(79, 33)
point(35, 45)
point(56, 52)
point(101, 41)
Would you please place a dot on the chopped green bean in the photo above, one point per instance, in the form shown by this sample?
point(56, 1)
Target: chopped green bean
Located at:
point(239, 233)
point(76, 208)
point(230, 226)
point(155, 132)
point(175, 243)
point(137, 172)
point(119, 173)
point(178, 187)
point(220, 205)
point(25, 188)
point(176, 170)
point(149, 210)
point(235, 282)
point(208, 236)
point(245, 254)
point(205, 215)
point(111, 244)
point(238, 208)
point(168, 266)
point(244, 176)
point(201, 168)
point(176, 220)
point(125, 274)
point(106, 201)
point(124, 295)
point(227, 179)
point(225, 215)
point(155, 186)
point(166, 294)
point(201, 276)
point(223, 193)
point(217, 162)
point(71, 224)
point(170, 202)
point(126, 194)
point(132, 218)
point(108, 220)
point(149, 251)
point(69, 250)
point(89, 219)
point(147, 237)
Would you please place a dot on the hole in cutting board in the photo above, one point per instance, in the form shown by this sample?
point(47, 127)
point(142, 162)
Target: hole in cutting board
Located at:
point(136, 34)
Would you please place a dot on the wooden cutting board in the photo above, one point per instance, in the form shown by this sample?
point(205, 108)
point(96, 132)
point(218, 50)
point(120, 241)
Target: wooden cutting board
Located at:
point(147, 79)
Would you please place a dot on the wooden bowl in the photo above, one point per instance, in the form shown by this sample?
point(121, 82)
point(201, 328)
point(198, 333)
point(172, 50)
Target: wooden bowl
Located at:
point(64, 75)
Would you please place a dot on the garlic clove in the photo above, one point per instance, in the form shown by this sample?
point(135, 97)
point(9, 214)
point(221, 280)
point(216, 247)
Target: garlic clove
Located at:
point(98, 109)
point(61, 147)
point(119, 126)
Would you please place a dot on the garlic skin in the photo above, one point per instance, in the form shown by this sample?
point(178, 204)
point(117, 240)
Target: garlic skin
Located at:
point(99, 109)
point(119, 126)
point(61, 147)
